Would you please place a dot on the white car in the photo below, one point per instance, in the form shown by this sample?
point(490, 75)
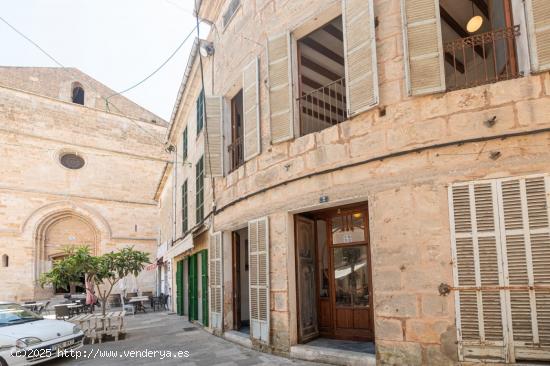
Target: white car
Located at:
point(27, 338)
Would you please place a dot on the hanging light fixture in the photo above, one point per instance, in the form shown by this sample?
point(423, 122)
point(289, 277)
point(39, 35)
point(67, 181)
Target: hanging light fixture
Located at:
point(475, 22)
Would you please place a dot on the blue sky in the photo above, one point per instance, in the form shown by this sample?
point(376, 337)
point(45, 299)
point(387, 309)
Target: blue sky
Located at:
point(117, 42)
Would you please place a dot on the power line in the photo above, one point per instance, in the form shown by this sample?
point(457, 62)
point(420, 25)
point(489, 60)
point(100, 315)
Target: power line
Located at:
point(155, 71)
point(64, 68)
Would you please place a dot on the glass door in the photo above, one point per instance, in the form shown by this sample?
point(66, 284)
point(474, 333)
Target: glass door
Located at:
point(351, 275)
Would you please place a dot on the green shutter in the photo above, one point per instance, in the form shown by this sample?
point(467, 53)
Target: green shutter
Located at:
point(184, 147)
point(200, 112)
point(204, 279)
point(193, 298)
point(184, 212)
point(199, 186)
point(179, 288)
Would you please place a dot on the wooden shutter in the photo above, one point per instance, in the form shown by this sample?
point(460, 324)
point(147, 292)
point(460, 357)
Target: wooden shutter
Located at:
point(423, 47)
point(280, 88)
point(213, 142)
point(360, 55)
point(251, 110)
point(524, 215)
point(538, 17)
point(216, 281)
point(477, 269)
point(258, 254)
point(193, 288)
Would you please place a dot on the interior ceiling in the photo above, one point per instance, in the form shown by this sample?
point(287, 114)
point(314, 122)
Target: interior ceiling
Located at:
point(322, 56)
point(461, 11)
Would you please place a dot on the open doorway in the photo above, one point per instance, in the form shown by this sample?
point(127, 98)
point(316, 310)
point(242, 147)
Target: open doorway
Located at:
point(241, 312)
point(334, 281)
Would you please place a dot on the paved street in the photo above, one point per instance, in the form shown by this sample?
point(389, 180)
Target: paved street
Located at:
point(170, 333)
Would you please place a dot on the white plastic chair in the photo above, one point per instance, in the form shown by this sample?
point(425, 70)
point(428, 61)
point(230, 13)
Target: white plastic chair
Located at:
point(129, 308)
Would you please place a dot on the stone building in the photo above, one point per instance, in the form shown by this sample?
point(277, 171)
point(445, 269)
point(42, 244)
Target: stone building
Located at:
point(75, 171)
point(380, 174)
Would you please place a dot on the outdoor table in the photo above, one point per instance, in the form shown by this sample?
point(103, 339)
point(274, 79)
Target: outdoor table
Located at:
point(74, 308)
point(138, 301)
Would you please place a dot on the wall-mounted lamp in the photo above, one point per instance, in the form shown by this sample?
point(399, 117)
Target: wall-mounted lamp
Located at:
point(475, 22)
point(206, 48)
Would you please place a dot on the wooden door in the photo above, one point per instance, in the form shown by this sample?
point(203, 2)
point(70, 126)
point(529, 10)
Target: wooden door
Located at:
point(193, 296)
point(306, 286)
point(179, 288)
point(351, 283)
point(236, 281)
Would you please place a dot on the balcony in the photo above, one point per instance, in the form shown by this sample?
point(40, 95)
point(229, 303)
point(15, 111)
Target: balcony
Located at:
point(236, 154)
point(480, 59)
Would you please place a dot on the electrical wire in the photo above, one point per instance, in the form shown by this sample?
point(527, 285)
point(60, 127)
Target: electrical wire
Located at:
point(69, 70)
point(155, 71)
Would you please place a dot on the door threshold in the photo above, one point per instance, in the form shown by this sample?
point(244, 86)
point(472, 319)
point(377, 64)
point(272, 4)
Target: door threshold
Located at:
point(335, 352)
point(237, 337)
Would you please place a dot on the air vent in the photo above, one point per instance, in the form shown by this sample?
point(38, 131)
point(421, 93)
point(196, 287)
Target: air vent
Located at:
point(71, 161)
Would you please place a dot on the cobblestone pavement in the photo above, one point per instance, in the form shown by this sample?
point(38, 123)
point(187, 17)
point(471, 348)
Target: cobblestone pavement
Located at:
point(167, 332)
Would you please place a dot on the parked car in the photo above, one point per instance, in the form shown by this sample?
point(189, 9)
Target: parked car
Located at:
point(26, 337)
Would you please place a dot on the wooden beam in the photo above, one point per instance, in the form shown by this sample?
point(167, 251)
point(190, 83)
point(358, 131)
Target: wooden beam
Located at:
point(311, 43)
point(451, 61)
point(482, 5)
point(462, 33)
point(305, 62)
point(333, 31)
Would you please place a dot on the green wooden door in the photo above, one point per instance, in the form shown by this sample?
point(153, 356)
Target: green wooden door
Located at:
point(193, 298)
point(204, 280)
point(179, 288)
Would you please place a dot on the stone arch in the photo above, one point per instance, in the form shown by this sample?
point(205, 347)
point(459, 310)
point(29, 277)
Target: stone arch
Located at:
point(79, 224)
point(77, 93)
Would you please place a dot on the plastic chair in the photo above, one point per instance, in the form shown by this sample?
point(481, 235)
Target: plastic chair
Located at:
point(129, 308)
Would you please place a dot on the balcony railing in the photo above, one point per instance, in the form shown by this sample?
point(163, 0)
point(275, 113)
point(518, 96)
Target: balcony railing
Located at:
point(481, 59)
point(236, 153)
point(323, 107)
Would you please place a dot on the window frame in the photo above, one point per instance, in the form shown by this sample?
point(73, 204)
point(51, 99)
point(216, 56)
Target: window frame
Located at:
point(199, 187)
point(184, 144)
point(200, 104)
point(225, 23)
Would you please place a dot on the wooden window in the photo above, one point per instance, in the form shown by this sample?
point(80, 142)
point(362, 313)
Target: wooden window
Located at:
point(199, 186)
point(184, 208)
point(184, 144)
point(200, 112)
point(500, 233)
point(214, 138)
point(538, 15)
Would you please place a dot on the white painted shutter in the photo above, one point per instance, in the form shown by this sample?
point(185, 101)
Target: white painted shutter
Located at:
point(538, 16)
point(216, 281)
point(524, 215)
point(258, 254)
point(251, 108)
point(360, 55)
point(477, 269)
point(423, 47)
point(280, 88)
point(214, 141)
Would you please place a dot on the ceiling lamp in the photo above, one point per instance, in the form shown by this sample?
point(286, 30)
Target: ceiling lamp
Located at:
point(475, 22)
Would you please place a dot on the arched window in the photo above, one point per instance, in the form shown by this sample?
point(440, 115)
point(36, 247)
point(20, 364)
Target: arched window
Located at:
point(5, 260)
point(78, 93)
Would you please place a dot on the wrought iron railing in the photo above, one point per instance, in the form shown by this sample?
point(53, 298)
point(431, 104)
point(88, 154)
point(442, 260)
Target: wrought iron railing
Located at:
point(323, 107)
point(481, 59)
point(236, 153)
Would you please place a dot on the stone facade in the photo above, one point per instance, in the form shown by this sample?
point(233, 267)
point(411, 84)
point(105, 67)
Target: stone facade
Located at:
point(400, 157)
point(107, 204)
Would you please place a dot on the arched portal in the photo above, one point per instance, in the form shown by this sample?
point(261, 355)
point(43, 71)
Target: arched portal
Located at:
point(58, 232)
